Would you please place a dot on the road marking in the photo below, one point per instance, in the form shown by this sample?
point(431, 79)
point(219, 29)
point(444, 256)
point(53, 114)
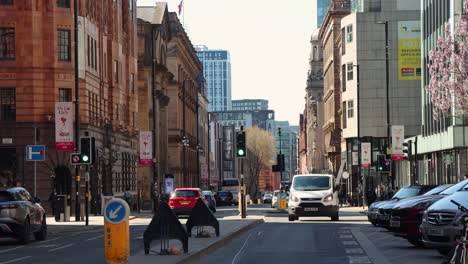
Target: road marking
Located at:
point(6, 250)
point(89, 239)
point(69, 245)
point(350, 251)
point(359, 260)
point(349, 243)
point(371, 250)
point(48, 240)
point(240, 250)
point(346, 237)
point(14, 260)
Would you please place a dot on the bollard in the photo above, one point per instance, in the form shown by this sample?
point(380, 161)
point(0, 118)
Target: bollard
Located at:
point(116, 231)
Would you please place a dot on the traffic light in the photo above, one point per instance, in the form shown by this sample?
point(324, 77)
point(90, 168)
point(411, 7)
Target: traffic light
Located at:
point(380, 162)
point(241, 150)
point(85, 150)
point(407, 149)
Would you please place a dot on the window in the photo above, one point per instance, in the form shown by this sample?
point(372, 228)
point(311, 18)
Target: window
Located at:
point(63, 45)
point(104, 64)
point(63, 3)
point(343, 111)
point(116, 71)
point(89, 51)
point(350, 71)
point(350, 109)
point(343, 43)
point(64, 95)
point(95, 54)
point(7, 43)
point(7, 104)
point(132, 83)
point(349, 33)
point(6, 2)
point(343, 77)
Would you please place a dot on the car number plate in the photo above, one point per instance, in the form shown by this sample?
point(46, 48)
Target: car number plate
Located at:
point(394, 223)
point(310, 209)
point(385, 217)
point(184, 203)
point(435, 232)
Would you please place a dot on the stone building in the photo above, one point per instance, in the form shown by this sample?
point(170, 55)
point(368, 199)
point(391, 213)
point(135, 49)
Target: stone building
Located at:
point(37, 69)
point(330, 38)
point(183, 90)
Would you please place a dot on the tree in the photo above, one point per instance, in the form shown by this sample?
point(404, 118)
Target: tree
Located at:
point(260, 151)
point(448, 69)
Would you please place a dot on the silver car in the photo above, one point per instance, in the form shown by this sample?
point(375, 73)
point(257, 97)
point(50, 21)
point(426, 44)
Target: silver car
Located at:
point(442, 223)
point(21, 215)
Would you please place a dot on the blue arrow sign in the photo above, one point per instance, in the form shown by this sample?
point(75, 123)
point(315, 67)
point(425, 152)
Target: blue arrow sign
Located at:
point(116, 211)
point(35, 153)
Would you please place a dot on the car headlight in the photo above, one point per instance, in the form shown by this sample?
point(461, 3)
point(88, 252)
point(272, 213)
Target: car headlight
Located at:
point(294, 198)
point(423, 204)
point(328, 198)
point(424, 218)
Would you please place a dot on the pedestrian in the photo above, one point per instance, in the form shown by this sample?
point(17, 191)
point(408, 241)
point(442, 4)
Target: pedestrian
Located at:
point(466, 176)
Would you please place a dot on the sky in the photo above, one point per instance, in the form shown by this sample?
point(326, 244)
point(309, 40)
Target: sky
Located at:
point(268, 41)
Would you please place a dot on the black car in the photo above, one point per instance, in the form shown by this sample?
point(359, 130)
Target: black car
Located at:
point(224, 198)
point(21, 215)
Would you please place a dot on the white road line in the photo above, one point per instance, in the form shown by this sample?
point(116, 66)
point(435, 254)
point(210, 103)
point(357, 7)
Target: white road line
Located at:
point(89, 239)
point(10, 249)
point(240, 250)
point(48, 240)
point(69, 245)
point(14, 260)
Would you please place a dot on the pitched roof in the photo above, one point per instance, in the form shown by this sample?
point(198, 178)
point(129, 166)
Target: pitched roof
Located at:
point(152, 14)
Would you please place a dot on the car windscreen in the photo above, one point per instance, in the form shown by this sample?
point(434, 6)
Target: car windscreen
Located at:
point(6, 196)
point(457, 187)
point(407, 192)
point(223, 194)
point(207, 196)
point(275, 193)
point(186, 193)
point(311, 183)
point(437, 190)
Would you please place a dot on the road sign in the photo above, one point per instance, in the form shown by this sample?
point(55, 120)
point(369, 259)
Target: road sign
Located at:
point(75, 159)
point(35, 152)
point(116, 231)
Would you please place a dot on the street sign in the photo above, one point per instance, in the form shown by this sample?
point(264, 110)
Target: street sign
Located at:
point(75, 159)
point(116, 231)
point(35, 153)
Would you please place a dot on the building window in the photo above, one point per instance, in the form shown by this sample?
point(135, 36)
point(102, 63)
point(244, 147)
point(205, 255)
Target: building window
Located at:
point(343, 111)
point(349, 33)
point(7, 104)
point(89, 51)
point(7, 43)
point(350, 71)
point(116, 71)
point(6, 2)
point(132, 83)
point(64, 95)
point(343, 77)
point(63, 45)
point(350, 109)
point(343, 43)
point(63, 3)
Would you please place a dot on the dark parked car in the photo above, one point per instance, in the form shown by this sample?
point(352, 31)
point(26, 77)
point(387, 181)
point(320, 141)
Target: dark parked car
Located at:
point(224, 198)
point(21, 215)
point(406, 215)
point(267, 198)
point(442, 223)
point(211, 200)
point(380, 213)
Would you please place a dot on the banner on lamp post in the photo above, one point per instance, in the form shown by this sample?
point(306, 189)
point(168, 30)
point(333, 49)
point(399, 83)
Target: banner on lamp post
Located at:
point(366, 155)
point(398, 136)
point(355, 158)
point(204, 172)
point(64, 126)
point(146, 148)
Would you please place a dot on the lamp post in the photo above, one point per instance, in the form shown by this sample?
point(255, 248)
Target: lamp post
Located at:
point(387, 90)
point(359, 130)
point(77, 114)
point(155, 177)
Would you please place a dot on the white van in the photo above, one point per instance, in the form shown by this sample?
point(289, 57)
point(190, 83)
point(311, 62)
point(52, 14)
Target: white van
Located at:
point(313, 195)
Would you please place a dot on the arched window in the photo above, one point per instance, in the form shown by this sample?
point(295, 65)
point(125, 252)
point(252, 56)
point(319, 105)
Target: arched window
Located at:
point(315, 54)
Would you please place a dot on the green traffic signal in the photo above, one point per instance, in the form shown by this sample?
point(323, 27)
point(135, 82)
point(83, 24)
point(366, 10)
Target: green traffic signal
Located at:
point(380, 168)
point(240, 152)
point(85, 158)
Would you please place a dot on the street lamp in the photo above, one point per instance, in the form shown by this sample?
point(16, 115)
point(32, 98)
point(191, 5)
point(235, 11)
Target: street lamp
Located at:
point(386, 90)
point(358, 88)
point(185, 144)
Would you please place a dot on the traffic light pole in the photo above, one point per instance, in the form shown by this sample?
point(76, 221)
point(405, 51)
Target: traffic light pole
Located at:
point(87, 195)
point(77, 114)
point(243, 209)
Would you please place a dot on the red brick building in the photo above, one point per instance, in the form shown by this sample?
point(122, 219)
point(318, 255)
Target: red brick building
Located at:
point(37, 69)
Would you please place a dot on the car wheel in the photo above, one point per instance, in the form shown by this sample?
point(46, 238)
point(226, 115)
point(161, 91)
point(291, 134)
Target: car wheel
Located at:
point(335, 217)
point(42, 233)
point(291, 218)
point(417, 243)
point(26, 232)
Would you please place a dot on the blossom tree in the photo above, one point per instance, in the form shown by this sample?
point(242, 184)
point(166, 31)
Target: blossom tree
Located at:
point(448, 69)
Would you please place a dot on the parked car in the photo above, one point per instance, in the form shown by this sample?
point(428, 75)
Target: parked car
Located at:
point(274, 200)
point(224, 198)
point(267, 198)
point(211, 201)
point(442, 223)
point(21, 215)
point(406, 215)
point(183, 200)
point(380, 212)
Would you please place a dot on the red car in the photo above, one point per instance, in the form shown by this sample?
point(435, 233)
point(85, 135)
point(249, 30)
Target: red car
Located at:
point(183, 200)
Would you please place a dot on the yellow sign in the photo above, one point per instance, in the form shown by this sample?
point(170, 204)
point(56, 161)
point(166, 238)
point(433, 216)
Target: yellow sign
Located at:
point(116, 231)
point(283, 204)
point(409, 50)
